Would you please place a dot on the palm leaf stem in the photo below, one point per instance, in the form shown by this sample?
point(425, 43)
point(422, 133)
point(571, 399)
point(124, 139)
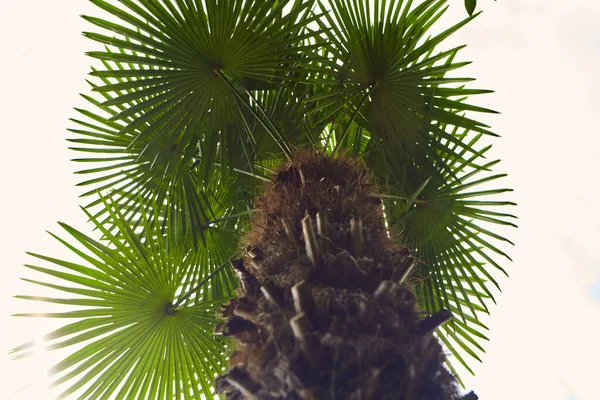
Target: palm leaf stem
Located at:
point(273, 132)
point(199, 285)
point(347, 129)
point(240, 171)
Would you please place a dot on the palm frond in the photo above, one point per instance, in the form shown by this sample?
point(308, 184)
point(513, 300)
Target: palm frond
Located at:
point(146, 310)
point(190, 188)
point(389, 61)
point(448, 227)
point(174, 58)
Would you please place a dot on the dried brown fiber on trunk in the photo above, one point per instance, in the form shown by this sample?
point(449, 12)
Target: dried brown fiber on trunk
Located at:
point(325, 311)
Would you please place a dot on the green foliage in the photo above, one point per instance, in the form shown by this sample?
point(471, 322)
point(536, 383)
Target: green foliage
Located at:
point(470, 6)
point(139, 332)
point(193, 104)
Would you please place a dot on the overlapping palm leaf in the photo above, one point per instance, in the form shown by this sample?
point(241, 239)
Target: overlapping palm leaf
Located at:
point(180, 55)
point(146, 311)
point(190, 198)
point(393, 77)
point(176, 83)
point(194, 105)
point(446, 220)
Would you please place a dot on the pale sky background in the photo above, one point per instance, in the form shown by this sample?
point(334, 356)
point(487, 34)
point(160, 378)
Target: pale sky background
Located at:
point(543, 59)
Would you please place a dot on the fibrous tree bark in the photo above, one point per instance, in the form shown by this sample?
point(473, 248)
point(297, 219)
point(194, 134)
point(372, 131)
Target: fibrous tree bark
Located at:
point(326, 309)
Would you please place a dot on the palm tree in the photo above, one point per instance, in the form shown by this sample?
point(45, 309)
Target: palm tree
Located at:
point(287, 196)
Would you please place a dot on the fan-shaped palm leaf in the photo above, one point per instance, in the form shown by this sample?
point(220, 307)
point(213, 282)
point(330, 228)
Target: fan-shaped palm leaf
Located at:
point(177, 53)
point(393, 77)
point(149, 308)
point(449, 230)
point(168, 106)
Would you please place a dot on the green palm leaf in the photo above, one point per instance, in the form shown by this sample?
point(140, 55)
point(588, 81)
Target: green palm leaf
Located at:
point(175, 55)
point(149, 308)
point(194, 195)
point(447, 224)
point(394, 77)
point(176, 83)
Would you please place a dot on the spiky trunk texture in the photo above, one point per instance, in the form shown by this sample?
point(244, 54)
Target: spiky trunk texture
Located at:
point(326, 311)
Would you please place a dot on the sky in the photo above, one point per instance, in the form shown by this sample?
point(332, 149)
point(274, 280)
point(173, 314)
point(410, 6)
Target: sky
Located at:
point(542, 58)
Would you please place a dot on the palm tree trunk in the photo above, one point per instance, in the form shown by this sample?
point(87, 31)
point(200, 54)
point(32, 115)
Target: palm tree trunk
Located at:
point(326, 309)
